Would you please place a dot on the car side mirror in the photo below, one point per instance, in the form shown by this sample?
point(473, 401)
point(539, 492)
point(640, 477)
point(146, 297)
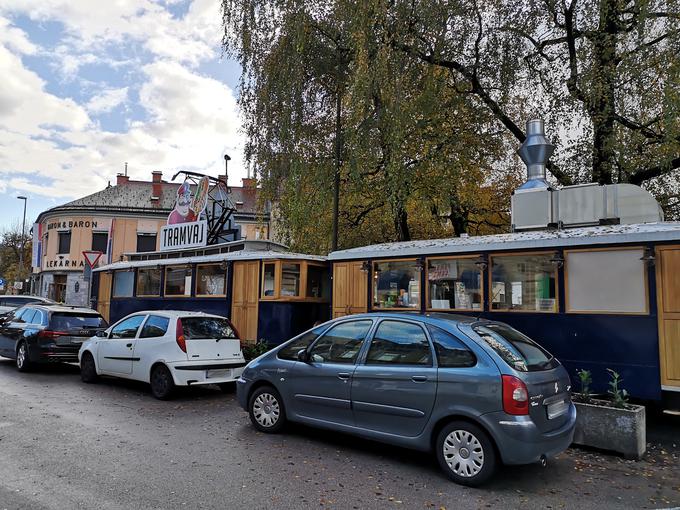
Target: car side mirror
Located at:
point(102, 333)
point(302, 355)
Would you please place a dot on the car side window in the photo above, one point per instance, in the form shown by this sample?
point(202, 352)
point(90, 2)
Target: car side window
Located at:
point(451, 352)
point(18, 315)
point(289, 352)
point(28, 316)
point(341, 344)
point(154, 327)
point(127, 328)
point(399, 343)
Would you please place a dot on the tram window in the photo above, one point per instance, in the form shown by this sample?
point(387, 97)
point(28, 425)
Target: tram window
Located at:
point(210, 280)
point(123, 283)
point(269, 280)
point(606, 281)
point(396, 284)
point(525, 283)
point(454, 284)
point(290, 280)
point(177, 281)
point(148, 282)
point(317, 282)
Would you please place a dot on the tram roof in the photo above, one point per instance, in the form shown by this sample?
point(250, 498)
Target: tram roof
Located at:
point(219, 257)
point(572, 237)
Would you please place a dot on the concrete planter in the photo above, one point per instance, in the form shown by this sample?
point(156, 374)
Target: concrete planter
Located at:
point(620, 430)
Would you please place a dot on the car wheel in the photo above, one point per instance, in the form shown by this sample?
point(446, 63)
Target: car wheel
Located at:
point(465, 453)
point(228, 387)
point(162, 385)
point(266, 410)
point(88, 370)
point(23, 362)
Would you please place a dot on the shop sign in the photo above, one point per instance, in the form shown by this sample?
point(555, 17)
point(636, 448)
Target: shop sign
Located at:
point(63, 263)
point(185, 228)
point(71, 224)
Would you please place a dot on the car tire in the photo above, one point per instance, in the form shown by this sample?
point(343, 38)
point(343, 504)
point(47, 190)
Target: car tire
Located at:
point(227, 387)
point(162, 384)
point(23, 360)
point(266, 410)
point(88, 369)
point(466, 454)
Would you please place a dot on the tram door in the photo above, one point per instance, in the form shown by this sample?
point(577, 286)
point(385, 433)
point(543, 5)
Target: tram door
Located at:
point(668, 292)
point(349, 289)
point(245, 290)
point(104, 296)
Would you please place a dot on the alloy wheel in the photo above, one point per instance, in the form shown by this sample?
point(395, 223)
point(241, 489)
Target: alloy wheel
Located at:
point(21, 356)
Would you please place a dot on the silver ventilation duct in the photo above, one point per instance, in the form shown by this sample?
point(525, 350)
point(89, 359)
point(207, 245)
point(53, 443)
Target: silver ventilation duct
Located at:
point(535, 152)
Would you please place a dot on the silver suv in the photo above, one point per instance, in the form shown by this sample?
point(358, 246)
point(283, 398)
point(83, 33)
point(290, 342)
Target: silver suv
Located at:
point(476, 392)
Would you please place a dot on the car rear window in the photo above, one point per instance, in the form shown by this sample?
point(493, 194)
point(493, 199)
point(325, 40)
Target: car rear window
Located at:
point(207, 328)
point(64, 321)
point(516, 349)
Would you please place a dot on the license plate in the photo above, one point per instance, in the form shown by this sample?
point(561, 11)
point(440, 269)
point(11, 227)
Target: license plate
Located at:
point(557, 409)
point(218, 374)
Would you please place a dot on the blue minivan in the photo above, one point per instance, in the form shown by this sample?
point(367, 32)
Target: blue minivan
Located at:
point(476, 392)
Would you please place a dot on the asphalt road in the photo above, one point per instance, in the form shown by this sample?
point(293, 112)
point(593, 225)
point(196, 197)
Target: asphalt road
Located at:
point(66, 445)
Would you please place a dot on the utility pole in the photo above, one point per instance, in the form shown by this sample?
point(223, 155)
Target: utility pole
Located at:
point(338, 162)
point(23, 235)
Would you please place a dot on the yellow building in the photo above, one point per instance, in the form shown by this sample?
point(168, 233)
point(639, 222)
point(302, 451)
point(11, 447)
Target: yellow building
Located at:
point(121, 219)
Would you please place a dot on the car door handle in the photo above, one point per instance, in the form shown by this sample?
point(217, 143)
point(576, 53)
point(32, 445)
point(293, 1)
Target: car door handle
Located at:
point(419, 378)
point(343, 375)
point(129, 345)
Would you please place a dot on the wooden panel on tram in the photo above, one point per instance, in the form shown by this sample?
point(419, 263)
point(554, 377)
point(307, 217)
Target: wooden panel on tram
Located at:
point(104, 296)
point(668, 290)
point(349, 289)
point(245, 299)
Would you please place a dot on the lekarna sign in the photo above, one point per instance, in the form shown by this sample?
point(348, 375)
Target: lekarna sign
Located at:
point(92, 257)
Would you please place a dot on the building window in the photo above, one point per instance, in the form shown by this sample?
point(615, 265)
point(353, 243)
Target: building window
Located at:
point(290, 280)
point(123, 283)
point(146, 242)
point(148, 282)
point(178, 281)
point(99, 241)
point(611, 281)
point(396, 284)
point(453, 284)
point(526, 283)
point(318, 282)
point(211, 280)
point(64, 243)
point(269, 280)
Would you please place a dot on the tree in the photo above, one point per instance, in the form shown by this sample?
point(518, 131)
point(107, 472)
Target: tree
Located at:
point(605, 73)
point(10, 248)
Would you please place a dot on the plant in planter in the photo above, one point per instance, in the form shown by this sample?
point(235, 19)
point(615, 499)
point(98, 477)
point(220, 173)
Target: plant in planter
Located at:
point(252, 351)
point(612, 423)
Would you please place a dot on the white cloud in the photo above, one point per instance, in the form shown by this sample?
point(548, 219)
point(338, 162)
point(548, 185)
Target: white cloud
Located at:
point(107, 100)
point(50, 146)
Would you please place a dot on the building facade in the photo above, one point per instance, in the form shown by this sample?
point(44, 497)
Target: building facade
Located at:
point(121, 219)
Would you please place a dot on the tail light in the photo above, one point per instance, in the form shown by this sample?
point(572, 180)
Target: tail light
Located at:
point(181, 340)
point(515, 396)
point(51, 335)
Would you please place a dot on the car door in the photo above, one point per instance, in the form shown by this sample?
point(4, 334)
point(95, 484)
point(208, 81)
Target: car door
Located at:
point(152, 344)
point(115, 354)
point(12, 330)
point(394, 389)
point(319, 388)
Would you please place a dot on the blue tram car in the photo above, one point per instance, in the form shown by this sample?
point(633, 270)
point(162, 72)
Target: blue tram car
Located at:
point(266, 291)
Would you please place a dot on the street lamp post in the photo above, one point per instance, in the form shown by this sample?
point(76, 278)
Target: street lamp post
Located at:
point(23, 235)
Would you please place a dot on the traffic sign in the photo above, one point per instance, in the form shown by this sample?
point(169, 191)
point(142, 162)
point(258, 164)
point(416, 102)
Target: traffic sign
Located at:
point(2, 281)
point(91, 257)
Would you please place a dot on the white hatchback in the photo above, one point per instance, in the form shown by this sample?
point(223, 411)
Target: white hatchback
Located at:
point(166, 348)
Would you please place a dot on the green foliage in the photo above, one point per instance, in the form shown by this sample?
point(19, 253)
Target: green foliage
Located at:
point(426, 101)
point(619, 396)
point(585, 379)
point(252, 351)
point(10, 248)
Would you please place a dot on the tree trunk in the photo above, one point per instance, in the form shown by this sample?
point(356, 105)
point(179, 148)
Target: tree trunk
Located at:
point(401, 223)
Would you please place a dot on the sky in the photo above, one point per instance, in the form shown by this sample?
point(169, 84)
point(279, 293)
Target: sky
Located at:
point(88, 85)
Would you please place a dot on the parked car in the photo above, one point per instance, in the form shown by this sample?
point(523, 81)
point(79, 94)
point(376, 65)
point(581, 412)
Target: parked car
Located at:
point(166, 349)
point(43, 333)
point(476, 392)
point(9, 303)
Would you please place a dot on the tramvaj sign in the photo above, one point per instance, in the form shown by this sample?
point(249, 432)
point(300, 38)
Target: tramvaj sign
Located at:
point(185, 228)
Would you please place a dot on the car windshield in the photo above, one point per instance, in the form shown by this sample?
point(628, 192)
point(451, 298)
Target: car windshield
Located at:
point(64, 321)
point(207, 328)
point(516, 349)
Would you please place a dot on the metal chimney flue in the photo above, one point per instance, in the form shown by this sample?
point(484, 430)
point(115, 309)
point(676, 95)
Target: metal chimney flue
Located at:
point(535, 152)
